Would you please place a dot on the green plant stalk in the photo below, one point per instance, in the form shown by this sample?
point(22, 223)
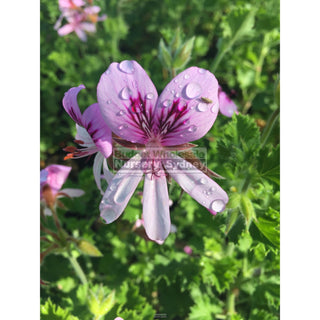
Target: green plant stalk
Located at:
point(231, 297)
point(269, 126)
point(77, 268)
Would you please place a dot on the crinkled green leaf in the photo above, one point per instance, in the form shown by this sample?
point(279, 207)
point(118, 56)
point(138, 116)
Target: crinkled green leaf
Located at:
point(50, 311)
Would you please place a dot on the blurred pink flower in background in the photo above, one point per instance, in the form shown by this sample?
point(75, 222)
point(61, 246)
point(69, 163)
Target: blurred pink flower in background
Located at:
point(80, 19)
point(187, 250)
point(226, 105)
point(52, 179)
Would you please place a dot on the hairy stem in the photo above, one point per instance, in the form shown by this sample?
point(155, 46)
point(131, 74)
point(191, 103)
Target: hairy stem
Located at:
point(77, 268)
point(269, 126)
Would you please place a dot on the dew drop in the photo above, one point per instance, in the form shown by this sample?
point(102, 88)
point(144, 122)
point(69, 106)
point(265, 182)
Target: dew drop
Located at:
point(203, 181)
point(180, 86)
point(214, 108)
point(175, 80)
point(172, 91)
point(186, 121)
point(108, 71)
point(126, 66)
point(166, 103)
point(192, 128)
point(201, 107)
point(149, 96)
point(125, 93)
point(217, 205)
point(177, 95)
point(109, 101)
point(186, 76)
point(121, 113)
point(193, 90)
point(203, 203)
point(212, 189)
point(112, 187)
point(202, 71)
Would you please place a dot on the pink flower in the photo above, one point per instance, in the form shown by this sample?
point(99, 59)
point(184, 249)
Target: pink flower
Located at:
point(187, 250)
point(80, 20)
point(227, 106)
point(70, 4)
point(92, 14)
point(77, 23)
point(93, 134)
point(185, 111)
point(118, 318)
point(51, 180)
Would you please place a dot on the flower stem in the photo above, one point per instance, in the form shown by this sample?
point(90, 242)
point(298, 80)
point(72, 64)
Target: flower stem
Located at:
point(77, 268)
point(269, 126)
point(231, 304)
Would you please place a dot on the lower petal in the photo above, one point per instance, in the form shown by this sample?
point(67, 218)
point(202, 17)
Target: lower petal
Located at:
point(97, 165)
point(156, 213)
point(121, 189)
point(198, 185)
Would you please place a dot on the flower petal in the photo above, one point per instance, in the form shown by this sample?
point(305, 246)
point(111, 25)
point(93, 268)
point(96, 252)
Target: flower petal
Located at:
point(66, 29)
point(57, 176)
point(72, 193)
point(156, 213)
point(70, 104)
point(120, 189)
point(80, 33)
point(187, 107)
point(127, 97)
point(199, 186)
point(227, 106)
point(108, 175)
point(97, 165)
point(87, 26)
point(98, 129)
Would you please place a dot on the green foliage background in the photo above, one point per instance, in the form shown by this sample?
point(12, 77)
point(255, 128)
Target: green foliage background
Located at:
point(233, 272)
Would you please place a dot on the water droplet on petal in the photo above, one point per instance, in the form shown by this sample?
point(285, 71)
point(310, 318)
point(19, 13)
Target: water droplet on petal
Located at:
point(217, 205)
point(175, 80)
point(203, 181)
point(212, 189)
point(186, 121)
point(149, 96)
point(192, 128)
point(180, 86)
point(122, 126)
point(126, 66)
point(203, 203)
point(172, 91)
point(186, 76)
point(166, 103)
point(202, 71)
point(193, 90)
point(177, 95)
point(201, 107)
point(121, 113)
point(215, 108)
point(125, 93)
point(109, 101)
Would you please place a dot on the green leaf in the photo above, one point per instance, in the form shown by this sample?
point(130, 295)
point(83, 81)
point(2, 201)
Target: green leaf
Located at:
point(205, 307)
point(269, 163)
point(245, 242)
point(50, 311)
point(269, 227)
point(240, 142)
point(100, 305)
